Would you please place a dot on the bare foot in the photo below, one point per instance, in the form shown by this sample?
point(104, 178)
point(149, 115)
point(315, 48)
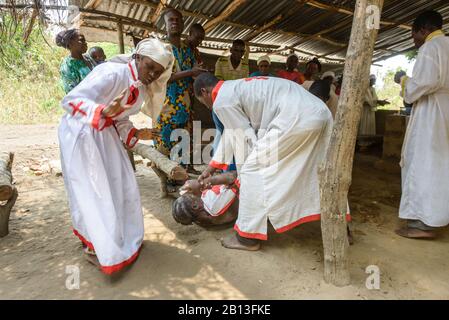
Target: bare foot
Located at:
point(91, 257)
point(231, 242)
point(412, 233)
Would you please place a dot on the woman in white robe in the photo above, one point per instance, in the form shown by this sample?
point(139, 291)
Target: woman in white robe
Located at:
point(425, 153)
point(278, 133)
point(102, 189)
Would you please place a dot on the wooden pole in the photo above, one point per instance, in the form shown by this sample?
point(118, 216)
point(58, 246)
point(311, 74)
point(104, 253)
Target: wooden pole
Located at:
point(336, 171)
point(121, 41)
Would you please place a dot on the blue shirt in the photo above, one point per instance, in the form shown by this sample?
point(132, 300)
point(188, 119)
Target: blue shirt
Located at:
point(220, 127)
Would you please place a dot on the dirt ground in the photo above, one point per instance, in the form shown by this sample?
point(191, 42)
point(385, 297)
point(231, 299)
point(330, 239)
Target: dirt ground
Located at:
point(188, 262)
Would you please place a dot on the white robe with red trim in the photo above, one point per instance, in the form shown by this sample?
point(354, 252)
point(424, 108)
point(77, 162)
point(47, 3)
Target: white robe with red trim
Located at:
point(425, 154)
point(278, 133)
point(102, 189)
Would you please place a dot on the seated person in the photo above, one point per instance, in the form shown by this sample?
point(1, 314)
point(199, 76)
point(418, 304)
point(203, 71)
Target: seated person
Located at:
point(209, 203)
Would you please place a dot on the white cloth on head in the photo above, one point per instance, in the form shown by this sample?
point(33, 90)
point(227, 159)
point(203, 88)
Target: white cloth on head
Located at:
point(161, 53)
point(264, 58)
point(425, 154)
point(328, 74)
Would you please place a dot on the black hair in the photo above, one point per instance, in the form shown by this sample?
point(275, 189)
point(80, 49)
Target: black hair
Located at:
point(182, 210)
point(238, 42)
point(321, 89)
point(204, 80)
point(171, 10)
point(197, 27)
point(93, 49)
point(429, 20)
point(316, 61)
point(64, 37)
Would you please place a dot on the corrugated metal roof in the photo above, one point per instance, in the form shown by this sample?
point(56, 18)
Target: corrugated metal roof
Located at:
point(299, 21)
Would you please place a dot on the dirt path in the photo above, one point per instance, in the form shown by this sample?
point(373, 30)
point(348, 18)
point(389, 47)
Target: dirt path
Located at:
point(180, 262)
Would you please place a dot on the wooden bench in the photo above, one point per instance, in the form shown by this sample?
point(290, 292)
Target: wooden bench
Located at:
point(8, 192)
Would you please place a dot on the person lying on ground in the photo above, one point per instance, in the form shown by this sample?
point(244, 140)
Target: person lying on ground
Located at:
point(211, 202)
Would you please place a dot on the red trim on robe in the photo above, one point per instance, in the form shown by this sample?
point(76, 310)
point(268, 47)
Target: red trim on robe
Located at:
point(98, 116)
point(258, 236)
point(216, 89)
point(133, 95)
point(114, 268)
point(217, 165)
point(226, 207)
point(132, 71)
point(130, 136)
point(311, 218)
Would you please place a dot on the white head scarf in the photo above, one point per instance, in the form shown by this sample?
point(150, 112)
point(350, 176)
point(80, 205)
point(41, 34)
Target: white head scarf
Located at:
point(264, 58)
point(328, 74)
point(155, 92)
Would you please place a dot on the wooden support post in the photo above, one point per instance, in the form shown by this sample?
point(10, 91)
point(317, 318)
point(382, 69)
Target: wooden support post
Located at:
point(121, 41)
point(336, 171)
point(8, 192)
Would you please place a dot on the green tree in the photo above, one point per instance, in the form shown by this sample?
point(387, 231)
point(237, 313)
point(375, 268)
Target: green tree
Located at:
point(390, 91)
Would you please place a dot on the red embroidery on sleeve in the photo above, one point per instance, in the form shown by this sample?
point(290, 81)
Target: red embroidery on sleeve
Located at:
point(77, 108)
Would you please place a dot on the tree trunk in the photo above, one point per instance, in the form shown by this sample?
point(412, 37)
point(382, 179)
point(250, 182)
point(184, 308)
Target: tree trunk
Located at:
point(6, 187)
point(336, 171)
point(171, 168)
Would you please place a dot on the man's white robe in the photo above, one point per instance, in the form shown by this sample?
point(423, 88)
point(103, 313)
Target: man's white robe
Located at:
point(425, 154)
point(103, 194)
point(278, 133)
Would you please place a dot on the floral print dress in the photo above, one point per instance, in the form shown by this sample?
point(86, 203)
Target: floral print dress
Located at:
point(177, 106)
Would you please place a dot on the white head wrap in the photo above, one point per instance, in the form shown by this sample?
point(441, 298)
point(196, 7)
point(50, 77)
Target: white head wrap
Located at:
point(264, 58)
point(328, 74)
point(155, 92)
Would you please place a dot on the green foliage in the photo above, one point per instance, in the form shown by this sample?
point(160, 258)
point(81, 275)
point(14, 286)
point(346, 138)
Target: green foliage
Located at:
point(30, 88)
point(390, 91)
point(110, 49)
point(412, 54)
point(29, 77)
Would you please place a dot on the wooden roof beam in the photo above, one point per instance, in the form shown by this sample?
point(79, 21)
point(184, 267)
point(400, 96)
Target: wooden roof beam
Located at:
point(347, 11)
point(234, 5)
point(263, 28)
point(157, 14)
point(242, 26)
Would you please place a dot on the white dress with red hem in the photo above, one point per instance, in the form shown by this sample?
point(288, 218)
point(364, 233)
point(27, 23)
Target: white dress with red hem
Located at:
point(278, 133)
point(102, 189)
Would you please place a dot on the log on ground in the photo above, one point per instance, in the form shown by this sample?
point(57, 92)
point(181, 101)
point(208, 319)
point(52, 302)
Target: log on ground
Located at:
point(171, 168)
point(6, 187)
